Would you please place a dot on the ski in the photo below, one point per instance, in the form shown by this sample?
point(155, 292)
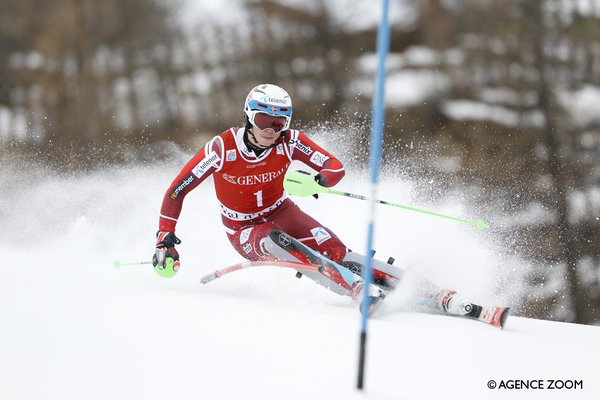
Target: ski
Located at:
point(301, 268)
point(495, 316)
point(449, 302)
point(325, 273)
point(251, 264)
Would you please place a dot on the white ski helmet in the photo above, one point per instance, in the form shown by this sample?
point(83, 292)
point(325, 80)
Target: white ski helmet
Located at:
point(269, 106)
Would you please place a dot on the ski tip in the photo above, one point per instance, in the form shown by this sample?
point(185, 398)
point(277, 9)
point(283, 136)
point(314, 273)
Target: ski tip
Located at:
point(208, 278)
point(503, 317)
point(495, 316)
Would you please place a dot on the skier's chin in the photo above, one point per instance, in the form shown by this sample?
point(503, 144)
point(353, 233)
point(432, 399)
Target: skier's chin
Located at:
point(266, 140)
point(265, 144)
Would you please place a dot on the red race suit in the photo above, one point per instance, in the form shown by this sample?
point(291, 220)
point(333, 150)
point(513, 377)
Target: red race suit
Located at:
point(250, 191)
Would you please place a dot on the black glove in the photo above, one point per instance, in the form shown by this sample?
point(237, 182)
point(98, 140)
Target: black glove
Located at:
point(166, 239)
point(165, 249)
point(318, 178)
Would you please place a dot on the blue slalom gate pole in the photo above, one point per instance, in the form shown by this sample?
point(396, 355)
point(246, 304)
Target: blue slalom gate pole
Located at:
point(377, 120)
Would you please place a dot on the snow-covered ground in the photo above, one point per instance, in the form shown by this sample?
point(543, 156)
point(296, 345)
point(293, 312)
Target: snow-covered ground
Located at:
point(75, 328)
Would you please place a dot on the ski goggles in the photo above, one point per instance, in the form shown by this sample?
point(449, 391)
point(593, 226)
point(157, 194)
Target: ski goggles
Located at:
point(265, 121)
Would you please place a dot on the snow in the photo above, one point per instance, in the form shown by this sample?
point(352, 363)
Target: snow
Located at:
point(462, 110)
point(582, 104)
point(73, 327)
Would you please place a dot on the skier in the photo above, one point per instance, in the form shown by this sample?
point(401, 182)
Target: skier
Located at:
point(248, 165)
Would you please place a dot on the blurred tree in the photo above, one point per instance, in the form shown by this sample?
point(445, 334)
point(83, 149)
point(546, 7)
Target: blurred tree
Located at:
point(505, 117)
point(82, 70)
point(308, 49)
point(303, 49)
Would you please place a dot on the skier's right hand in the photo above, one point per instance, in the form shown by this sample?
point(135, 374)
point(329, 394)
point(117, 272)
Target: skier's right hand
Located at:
point(316, 178)
point(166, 259)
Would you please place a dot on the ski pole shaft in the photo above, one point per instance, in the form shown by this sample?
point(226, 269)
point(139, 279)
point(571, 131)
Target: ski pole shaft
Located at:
point(301, 184)
point(480, 224)
point(118, 264)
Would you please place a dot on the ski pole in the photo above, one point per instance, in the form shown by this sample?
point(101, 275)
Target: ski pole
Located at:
point(301, 184)
point(118, 264)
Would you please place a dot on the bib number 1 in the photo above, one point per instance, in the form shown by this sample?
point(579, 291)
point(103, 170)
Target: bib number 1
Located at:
point(259, 198)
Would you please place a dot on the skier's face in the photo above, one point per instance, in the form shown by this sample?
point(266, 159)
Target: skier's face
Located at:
point(264, 137)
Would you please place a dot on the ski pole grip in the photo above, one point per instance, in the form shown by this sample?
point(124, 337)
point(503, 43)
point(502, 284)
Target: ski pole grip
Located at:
point(302, 184)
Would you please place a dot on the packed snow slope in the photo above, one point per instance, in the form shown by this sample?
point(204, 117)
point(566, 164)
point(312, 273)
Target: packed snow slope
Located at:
point(73, 327)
